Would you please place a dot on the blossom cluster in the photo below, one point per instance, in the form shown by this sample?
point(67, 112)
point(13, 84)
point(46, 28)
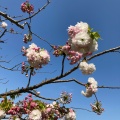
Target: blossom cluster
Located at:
point(27, 106)
point(23, 107)
point(36, 110)
point(87, 68)
point(81, 40)
point(96, 107)
point(81, 43)
point(27, 7)
point(36, 56)
point(27, 38)
point(73, 56)
point(70, 115)
point(91, 87)
point(65, 97)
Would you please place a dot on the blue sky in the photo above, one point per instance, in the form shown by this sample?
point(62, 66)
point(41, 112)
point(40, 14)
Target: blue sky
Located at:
point(51, 24)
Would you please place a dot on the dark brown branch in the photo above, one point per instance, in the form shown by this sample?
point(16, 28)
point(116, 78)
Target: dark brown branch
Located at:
point(63, 60)
point(31, 70)
point(43, 97)
point(14, 17)
point(48, 1)
point(23, 90)
point(110, 87)
point(96, 97)
point(11, 19)
point(104, 52)
point(29, 27)
point(81, 109)
point(3, 33)
point(70, 80)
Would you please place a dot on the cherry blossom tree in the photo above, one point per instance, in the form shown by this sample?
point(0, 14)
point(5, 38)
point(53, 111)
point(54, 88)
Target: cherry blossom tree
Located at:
point(78, 50)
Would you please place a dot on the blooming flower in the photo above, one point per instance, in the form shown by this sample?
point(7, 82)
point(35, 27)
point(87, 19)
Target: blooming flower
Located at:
point(45, 56)
point(81, 43)
point(27, 7)
point(91, 80)
point(35, 115)
point(91, 87)
point(96, 107)
point(65, 98)
point(81, 38)
point(36, 56)
point(4, 25)
point(93, 46)
point(66, 49)
point(2, 114)
point(72, 31)
point(87, 68)
point(74, 56)
point(71, 115)
point(82, 26)
point(38, 93)
point(27, 38)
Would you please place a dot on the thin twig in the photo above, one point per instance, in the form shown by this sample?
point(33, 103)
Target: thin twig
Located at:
point(4, 82)
point(96, 97)
point(63, 60)
point(3, 33)
point(82, 109)
point(110, 87)
point(31, 71)
point(104, 52)
point(43, 39)
point(12, 69)
point(70, 80)
point(43, 97)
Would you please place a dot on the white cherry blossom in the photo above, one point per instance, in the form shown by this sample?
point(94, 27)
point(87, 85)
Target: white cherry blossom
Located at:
point(2, 114)
point(35, 115)
point(91, 88)
point(4, 25)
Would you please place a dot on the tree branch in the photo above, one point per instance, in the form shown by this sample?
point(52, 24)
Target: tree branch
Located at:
point(42, 97)
point(11, 20)
point(31, 70)
point(82, 109)
point(70, 80)
point(108, 87)
point(104, 52)
point(44, 82)
point(63, 60)
point(3, 33)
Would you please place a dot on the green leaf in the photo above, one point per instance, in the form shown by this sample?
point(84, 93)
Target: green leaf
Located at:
point(94, 35)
